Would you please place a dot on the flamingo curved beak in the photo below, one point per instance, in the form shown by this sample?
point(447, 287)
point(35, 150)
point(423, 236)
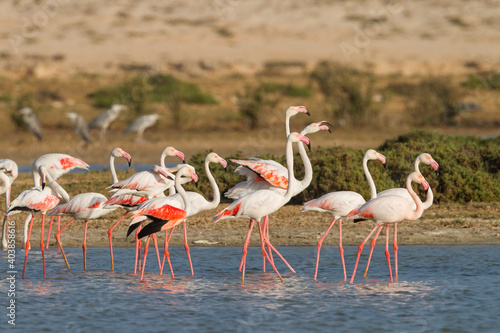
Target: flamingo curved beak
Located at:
point(324, 125)
point(303, 109)
point(223, 162)
point(306, 140)
point(180, 155)
point(382, 159)
point(127, 157)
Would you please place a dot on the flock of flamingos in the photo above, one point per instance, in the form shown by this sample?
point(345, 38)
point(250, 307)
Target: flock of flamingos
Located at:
point(269, 186)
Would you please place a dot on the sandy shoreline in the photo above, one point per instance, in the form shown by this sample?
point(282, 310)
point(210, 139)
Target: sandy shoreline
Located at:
point(288, 227)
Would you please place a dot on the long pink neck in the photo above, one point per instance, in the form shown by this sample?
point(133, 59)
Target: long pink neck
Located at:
point(417, 213)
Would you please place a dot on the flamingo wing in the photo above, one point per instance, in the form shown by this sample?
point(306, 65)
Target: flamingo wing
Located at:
point(269, 170)
point(338, 203)
point(387, 209)
point(33, 199)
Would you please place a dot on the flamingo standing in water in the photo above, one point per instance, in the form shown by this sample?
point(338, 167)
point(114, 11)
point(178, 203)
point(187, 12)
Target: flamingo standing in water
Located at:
point(84, 206)
point(340, 203)
point(260, 203)
point(38, 199)
point(57, 165)
point(196, 203)
point(164, 215)
point(268, 174)
point(389, 209)
point(130, 202)
point(424, 158)
point(10, 170)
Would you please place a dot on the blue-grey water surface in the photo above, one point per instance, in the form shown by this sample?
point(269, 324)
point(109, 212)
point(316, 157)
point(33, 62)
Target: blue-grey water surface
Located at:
point(440, 289)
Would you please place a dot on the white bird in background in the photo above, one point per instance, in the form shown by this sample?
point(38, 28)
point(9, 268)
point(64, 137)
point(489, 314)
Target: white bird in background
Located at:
point(9, 168)
point(140, 124)
point(81, 126)
point(104, 119)
point(31, 120)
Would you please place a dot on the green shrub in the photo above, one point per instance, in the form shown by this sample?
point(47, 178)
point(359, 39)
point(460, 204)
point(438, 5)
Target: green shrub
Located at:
point(254, 102)
point(483, 80)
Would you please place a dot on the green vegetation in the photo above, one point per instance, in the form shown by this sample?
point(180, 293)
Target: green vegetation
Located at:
point(469, 168)
point(483, 80)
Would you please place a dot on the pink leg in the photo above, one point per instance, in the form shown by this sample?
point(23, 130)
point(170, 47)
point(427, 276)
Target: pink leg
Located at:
point(263, 244)
point(396, 251)
point(27, 246)
point(245, 250)
point(84, 246)
point(186, 246)
point(58, 223)
point(110, 233)
point(42, 245)
point(155, 240)
point(48, 232)
point(360, 248)
point(372, 246)
point(387, 254)
point(341, 249)
point(166, 254)
point(137, 249)
point(58, 239)
point(262, 239)
point(146, 250)
point(279, 255)
point(320, 242)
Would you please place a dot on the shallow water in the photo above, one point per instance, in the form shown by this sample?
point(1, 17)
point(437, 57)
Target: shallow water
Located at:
point(441, 288)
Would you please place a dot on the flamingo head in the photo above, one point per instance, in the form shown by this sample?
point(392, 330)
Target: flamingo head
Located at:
point(42, 171)
point(296, 137)
point(427, 159)
point(118, 152)
point(188, 171)
point(418, 178)
point(171, 151)
point(215, 158)
point(372, 154)
point(11, 169)
point(316, 127)
point(163, 172)
point(293, 110)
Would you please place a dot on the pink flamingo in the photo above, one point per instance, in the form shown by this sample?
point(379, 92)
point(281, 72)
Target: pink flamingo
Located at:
point(260, 203)
point(38, 199)
point(389, 209)
point(196, 203)
point(130, 201)
point(165, 214)
point(262, 173)
point(10, 170)
point(403, 192)
point(84, 206)
point(57, 165)
point(340, 203)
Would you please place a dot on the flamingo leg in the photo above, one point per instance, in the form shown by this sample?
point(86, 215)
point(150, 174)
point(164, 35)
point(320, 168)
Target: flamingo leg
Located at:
point(263, 232)
point(341, 249)
point(245, 250)
point(4, 231)
point(395, 251)
point(372, 246)
point(110, 232)
point(270, 253)
point(58, 239)
point(145, 255)
point(387, 254)
point(262, 239)
point(279, 255)
point(320, 242)
point(186, 246)
point(166, 254)
point(155, 240)
point(42, 246)
point(137, 249)
point(360, 248)
point(58, 223)
point(84, 246)
point(48, 232)
point(26, 241)
point(27, 244)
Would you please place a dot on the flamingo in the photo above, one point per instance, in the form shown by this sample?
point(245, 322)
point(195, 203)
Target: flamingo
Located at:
point(140, 124)
point(340, 203)
point(57, 165)
point(258, 170)
point(261, 203)
point(196, 203)
point(390, 209)
point(10, 170)
point(403, 192)
point(38, 199)
point(165, 214)
point(130, 202)
point(84, 206)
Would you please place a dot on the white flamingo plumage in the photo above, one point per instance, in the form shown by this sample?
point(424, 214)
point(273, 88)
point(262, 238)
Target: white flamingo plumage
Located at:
point(38, 199)
point(261, 203)
point(84, 206)
point(389, 209)
point(10, 170)
point(340, 203)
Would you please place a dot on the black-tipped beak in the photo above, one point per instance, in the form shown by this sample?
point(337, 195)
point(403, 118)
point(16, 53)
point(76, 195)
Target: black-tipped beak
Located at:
point(437, 173)
point(308, 113)
point(130, 163)
point(196, 184)
point(43, 186)
point(385, 165)
point(225, 169)
point(183, 161)
point(309, 146)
